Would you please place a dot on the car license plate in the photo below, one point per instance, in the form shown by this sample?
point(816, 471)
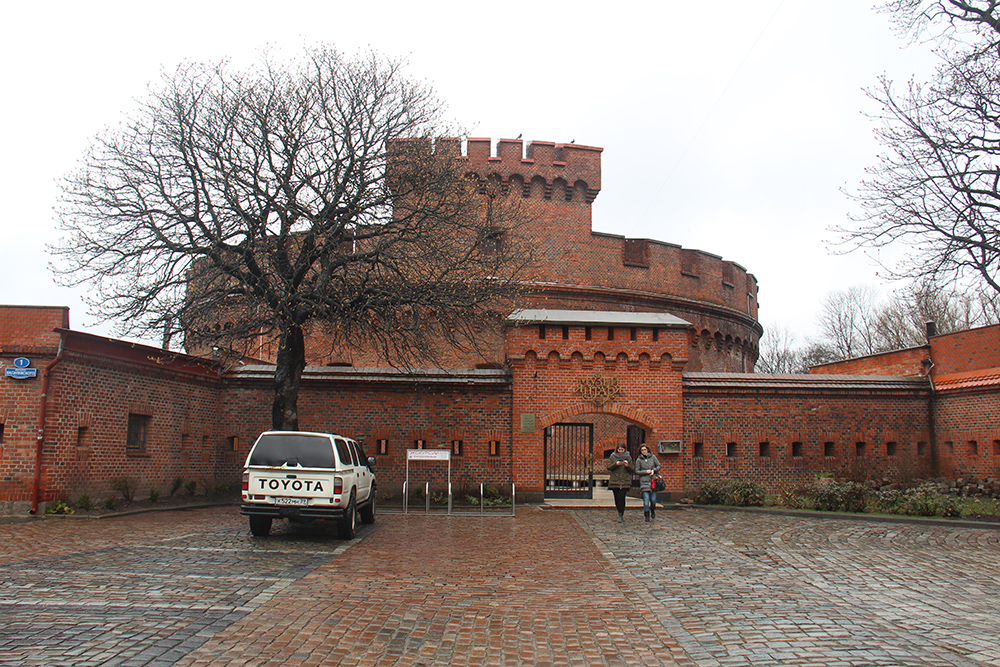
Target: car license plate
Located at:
point(291, 501)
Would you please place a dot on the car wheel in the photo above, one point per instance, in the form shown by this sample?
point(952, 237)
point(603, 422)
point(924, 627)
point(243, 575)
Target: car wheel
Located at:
point(348, 522)
point(260, 526)
point(368, 511)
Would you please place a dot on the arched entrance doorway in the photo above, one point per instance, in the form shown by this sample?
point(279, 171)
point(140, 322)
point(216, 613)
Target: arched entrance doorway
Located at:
point(576, 453)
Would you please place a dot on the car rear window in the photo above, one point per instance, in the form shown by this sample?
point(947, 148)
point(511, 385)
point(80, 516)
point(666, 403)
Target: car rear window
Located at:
point(344, 451)
point(278, 449)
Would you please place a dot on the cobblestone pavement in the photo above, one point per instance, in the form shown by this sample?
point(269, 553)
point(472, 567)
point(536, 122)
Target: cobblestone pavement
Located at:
point(547, 587)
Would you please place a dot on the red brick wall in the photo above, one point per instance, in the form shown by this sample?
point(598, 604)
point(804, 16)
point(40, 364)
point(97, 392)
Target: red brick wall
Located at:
point(963, 351)
point(395, 409)
point(899, 362)
point(751, 410)
point(30, 329)
point(90, 398)
point(967, 433)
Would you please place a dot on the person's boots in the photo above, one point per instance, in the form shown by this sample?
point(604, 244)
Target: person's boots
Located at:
point(652, 512)
point(621, 517)
point(647, 516)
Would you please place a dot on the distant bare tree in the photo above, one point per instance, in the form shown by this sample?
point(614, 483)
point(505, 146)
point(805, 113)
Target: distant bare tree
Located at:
point(935, 190)
point(287, 196)
point(778, 353)
point(847, 322)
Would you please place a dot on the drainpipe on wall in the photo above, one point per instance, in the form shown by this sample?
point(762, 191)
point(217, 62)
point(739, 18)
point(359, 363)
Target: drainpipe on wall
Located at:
point(40, 437)
point(932, 431)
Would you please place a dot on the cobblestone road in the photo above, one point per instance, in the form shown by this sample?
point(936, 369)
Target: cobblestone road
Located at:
point(547, 587)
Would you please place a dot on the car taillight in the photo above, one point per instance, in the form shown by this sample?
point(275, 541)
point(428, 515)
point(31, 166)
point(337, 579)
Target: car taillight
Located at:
point(246, 482)
point(338, 485)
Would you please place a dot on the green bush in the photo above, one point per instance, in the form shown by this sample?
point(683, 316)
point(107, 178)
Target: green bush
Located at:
point(154, 495)
point(176, 485)
point(925, 500)
point(840, 497)
point(191, 487)
point(84, 502)
point(733, 492)
point(59, 507)
point(112, 503)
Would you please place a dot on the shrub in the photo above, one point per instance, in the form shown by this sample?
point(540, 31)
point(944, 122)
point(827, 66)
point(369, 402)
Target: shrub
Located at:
point(176, 485)
point(84, 502)
point(126, 486)
point(154, 495)
point(112, 503)
point(191, 486)
point(221, 489)
point(925, 500)
point(840, 497)
point(59, 507)
point(735, 492)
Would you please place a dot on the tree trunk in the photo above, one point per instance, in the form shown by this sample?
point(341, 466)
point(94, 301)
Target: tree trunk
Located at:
point(290, 361)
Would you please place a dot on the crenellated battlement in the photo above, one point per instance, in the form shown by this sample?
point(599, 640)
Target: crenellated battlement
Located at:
point(544, 168)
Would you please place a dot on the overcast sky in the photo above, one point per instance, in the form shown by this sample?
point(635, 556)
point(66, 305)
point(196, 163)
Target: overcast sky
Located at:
point(730, 126)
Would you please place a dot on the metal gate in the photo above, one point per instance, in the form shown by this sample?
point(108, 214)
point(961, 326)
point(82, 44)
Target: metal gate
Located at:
point(569, 461)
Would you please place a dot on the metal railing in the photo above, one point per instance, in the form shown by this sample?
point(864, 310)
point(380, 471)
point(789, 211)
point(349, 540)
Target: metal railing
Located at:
point(427, 499)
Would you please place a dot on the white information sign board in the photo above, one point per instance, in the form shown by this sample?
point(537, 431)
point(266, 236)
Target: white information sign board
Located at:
point(428, 454)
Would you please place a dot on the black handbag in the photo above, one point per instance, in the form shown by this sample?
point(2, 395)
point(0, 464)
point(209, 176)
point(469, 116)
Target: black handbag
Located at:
point(658, 483)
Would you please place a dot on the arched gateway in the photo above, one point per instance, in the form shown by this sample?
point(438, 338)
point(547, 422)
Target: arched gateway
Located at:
point(583, 379)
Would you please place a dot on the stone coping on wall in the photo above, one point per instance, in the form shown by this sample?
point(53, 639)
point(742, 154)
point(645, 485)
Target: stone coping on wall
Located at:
point(803, 382)
point(476, 376)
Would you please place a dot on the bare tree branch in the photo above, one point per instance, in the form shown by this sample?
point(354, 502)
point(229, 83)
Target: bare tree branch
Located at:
point(253, 207)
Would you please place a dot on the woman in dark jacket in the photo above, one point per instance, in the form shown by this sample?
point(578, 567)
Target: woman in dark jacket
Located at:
point(646, 467)
point(620, 480)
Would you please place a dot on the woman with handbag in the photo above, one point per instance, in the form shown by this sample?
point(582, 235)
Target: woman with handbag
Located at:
point(620, 480)
point(647, 467)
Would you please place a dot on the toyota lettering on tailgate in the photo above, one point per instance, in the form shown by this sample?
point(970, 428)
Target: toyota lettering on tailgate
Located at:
point(291, 485)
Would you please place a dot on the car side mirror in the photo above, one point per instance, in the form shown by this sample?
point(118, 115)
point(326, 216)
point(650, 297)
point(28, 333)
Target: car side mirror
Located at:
point(371, 462)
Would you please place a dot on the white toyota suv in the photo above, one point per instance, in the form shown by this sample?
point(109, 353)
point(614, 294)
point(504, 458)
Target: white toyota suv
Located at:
point(300, 476)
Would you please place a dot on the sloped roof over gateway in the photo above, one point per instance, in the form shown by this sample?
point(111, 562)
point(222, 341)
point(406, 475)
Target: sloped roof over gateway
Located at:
point(596, 318)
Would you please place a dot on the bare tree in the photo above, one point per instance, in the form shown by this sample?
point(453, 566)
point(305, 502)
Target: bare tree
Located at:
point(778, 353)
point(847, 322)
point(261, 203)
point(935, 190)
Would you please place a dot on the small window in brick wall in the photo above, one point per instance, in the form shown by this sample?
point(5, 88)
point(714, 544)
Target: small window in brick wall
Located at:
point(135, 437)
point(632, 334)
point(828, 450)
point(765, 449)
point(494, 448)
point(565, 332)
point(973, 448)
point(859, 449)
point(233, 443)
point(419, 444)
point(731, 449)
point(586, 333)
point(890, 448)
point(382, 446)
point(656, 334)
point(950, 447)
point(456, 447)
point(797, 450)
point(921, 449)
point(1, 434)
point(996, 447)
point(541, 332)
point(611, 333)
point(699, 449)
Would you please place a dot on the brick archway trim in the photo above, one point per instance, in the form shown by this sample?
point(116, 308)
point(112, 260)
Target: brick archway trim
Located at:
point(635, 415)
